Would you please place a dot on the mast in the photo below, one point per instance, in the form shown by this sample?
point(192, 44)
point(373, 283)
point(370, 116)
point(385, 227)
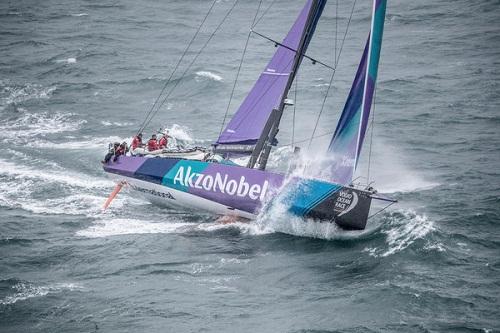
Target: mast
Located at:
point(263, 146)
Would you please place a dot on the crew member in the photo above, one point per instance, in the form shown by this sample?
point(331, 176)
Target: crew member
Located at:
point(112, 150)
point(121, 150)
point(163, 142)
point(152, 143)
point(137, 141)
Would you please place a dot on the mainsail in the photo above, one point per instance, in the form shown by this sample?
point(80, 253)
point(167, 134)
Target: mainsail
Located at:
point(345, 146)
point(246, 126)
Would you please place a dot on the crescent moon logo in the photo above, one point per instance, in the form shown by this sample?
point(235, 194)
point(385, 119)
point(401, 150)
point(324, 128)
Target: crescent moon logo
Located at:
point(353, 204)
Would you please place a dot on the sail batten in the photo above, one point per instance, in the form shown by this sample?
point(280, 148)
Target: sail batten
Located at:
point(345, 146)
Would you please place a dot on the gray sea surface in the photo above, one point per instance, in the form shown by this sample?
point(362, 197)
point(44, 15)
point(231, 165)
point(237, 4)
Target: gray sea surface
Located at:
point(76, 75)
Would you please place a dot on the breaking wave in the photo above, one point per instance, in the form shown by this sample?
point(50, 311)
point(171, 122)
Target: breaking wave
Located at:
point(402, 228)
point(25, 290)
point(65, 191)
point(21, 172)
point(115, 123)
point(125, 226)
point(67, 60)
point(85, 143)
point(31, 124)
point(183, 134)
point(276, 218)
point(15, 94)
point(120, 226)
point(208, 75)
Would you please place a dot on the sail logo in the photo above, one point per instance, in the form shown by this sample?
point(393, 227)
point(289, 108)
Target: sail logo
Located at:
point(219, 183)
point(345, 202)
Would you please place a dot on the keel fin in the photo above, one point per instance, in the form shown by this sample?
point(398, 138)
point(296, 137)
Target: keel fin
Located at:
point(113, 194)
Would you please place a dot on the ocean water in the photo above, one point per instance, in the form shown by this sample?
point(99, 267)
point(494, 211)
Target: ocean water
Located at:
point(76, 75)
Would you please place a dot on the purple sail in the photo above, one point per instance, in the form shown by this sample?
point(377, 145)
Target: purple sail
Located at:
point(248, 122)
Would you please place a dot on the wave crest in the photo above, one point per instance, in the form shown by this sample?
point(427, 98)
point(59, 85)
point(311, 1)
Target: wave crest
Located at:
point(208, 75)
point(26, 290)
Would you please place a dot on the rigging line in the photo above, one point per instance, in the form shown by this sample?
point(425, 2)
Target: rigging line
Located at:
point(294, 107)
point(263, 14)
point(333, 75)
point(192, 62)
point(381, 210)
point(293, 50)
point(345, 34)
point(336, 25)
point(239, 69)
point(306, 140)
point(178, 64)
point(371, 134)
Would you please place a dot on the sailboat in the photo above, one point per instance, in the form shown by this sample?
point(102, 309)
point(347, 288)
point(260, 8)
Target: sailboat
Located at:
point(217, 185)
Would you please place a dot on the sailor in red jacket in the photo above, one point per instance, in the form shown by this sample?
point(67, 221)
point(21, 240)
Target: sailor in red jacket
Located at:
point(163, 142)
point(153, 144)
point(137, 141)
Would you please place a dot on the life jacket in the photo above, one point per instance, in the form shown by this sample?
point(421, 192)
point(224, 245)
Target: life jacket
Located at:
point(152, 145)
point(136, 142)
point(163, 142)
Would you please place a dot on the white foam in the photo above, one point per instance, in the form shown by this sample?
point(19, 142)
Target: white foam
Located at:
point(84, 143)
point(439, 247)
point(25, 291)
point(22, 172)
point(32, 124)
point(250, 228)
point(115, 123)
point(277, 219)
point(19, 94)
point(66, 61)
point(76, 204)
point(232, 261)
point(209, 75)
point(106, 227)
point(123, 226)
point(18, 195)
point(180, 132)
point(403, 232)
point(402, 229)
point(79, 14)
point(71, 193)
point(278, 159)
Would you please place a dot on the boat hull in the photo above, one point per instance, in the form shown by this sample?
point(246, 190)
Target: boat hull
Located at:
point(235, 190)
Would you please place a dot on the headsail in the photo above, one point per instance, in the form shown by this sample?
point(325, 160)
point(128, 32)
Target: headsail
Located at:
point(345, 146)
point(246, 126)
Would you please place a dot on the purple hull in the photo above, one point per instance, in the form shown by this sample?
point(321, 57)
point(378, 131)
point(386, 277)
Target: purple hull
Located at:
point(247, 190)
